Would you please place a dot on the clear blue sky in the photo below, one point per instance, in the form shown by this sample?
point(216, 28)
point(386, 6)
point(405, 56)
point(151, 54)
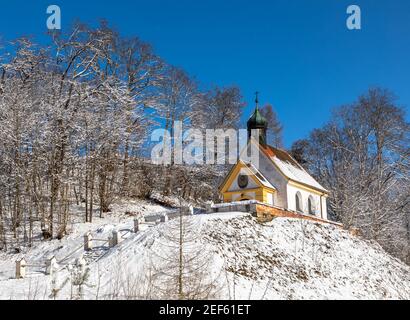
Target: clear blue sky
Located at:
point(298, 54)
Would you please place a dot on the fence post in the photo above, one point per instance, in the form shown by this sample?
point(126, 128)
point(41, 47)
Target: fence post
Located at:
point(208, 207)
point(80, 262)
point(51, 265)
point(21, 268)
point(88, 244)
point(111, 241)
point(187, 210)
point(116, 238)
point(136, 225)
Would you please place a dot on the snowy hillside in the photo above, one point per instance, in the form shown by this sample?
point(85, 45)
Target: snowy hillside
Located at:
point(231, 254)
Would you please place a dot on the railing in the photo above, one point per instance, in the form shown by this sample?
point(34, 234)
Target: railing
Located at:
point(94, 254)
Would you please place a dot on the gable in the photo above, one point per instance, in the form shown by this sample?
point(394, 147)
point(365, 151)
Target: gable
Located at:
point(256, 178)
point(251, 182)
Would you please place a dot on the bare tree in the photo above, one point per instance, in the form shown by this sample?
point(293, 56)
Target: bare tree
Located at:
point(275, 128)
point(362, 157)
point(184, 268)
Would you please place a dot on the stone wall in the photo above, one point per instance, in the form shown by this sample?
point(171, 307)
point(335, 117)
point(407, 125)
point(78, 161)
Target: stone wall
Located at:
point(265, 212)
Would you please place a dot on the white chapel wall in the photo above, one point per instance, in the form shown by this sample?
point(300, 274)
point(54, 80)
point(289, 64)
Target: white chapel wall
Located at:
point(269, 171)
point(324, 207)
point(292, 190)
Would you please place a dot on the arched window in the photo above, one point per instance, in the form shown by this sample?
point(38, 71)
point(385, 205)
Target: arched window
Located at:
point(298, 201)
point(311, 205)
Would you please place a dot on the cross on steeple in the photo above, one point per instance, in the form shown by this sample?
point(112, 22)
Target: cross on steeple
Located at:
point(257, 122)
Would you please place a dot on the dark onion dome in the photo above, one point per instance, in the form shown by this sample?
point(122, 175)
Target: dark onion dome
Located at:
point(257, 121)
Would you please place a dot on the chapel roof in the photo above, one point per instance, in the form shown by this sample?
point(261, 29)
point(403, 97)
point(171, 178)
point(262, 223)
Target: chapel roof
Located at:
point(265, 182)
point(289, 167)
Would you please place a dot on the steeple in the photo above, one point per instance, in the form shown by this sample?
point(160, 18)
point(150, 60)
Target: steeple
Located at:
point(257, 122)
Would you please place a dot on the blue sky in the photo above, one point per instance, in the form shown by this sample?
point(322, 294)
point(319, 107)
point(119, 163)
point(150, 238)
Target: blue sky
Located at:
point(298, 54)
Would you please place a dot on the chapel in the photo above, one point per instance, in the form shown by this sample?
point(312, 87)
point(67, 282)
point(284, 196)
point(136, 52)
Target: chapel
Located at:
point(278, 180)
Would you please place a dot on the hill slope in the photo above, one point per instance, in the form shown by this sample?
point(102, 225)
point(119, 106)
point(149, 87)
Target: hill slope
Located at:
point(282, 259)
point(295, 259)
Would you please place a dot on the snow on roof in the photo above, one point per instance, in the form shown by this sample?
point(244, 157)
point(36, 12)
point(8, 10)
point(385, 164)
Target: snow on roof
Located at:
point(290, 167)
point(258, 175)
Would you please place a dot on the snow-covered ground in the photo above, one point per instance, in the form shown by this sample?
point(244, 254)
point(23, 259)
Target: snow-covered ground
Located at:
point(282, 259)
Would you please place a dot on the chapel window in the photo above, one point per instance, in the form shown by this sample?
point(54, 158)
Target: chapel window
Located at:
point(298, 200)
point(311, 205)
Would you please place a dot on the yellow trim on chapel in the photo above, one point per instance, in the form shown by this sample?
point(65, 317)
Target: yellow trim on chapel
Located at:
point(261, 194)
point(234, 173)
point(307, 188)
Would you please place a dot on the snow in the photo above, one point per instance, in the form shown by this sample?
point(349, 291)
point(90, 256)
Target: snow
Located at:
point(234, 203)
point(297, 259)
point(297, 174)
point(258, 175)
point(282, 259)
